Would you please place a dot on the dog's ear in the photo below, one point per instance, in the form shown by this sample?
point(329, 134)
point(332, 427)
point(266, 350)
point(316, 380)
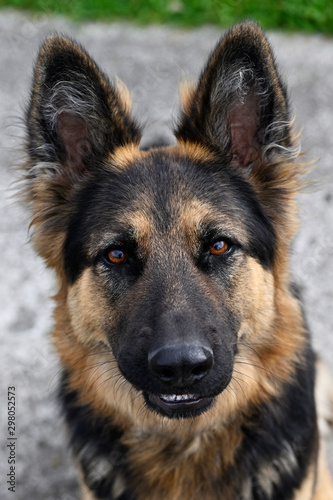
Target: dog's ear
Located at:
point(75, 119)
point(239, 106)
point(76, 116)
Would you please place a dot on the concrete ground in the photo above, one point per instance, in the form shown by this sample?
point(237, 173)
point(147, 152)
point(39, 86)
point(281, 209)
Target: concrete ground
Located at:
point(152, 61)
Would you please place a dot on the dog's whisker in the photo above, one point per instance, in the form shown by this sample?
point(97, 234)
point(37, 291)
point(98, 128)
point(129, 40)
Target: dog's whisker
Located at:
point(231, 390)
point(239, 383)
point(262, 368)
point(274, 377)
point(260, 384)
point(108, 378)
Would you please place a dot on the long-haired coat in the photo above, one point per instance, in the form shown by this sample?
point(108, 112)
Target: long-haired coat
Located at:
point(188, 372)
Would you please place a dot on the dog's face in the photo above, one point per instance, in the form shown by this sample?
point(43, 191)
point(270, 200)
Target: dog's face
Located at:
point(165, 251)
point(167, 258)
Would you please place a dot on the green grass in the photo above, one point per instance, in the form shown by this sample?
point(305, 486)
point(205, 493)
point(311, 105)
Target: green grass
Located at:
point(301, 15)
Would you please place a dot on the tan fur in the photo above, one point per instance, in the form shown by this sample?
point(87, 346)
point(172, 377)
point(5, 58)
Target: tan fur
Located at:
point(318, 481)
point(197, 152)
point(124, 96)
point(306, 491)
point(324, 398)
point(86, 493)
point(140, 221)
point(324, 488)
point(286, 219)
point(186, 94)
point(194, 213)
point(324, 403)
point(124, 156)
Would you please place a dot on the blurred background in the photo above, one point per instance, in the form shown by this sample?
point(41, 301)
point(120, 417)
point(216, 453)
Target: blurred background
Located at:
point(151, 45)
point(305, 15)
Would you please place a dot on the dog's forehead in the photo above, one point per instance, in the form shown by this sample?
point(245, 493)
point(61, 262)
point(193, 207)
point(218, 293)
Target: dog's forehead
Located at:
point(190, 218)
point(162, 193)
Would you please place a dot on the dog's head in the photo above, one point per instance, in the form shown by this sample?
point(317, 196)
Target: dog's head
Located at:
point(172, 262)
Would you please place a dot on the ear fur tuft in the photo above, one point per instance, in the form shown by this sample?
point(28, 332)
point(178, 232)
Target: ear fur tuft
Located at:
point(239, 105)
point(71, 98)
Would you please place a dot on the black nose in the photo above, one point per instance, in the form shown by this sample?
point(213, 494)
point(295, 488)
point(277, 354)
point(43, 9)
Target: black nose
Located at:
point(181, 366)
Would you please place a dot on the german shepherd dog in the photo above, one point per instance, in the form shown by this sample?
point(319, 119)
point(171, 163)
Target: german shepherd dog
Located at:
point(188, 372)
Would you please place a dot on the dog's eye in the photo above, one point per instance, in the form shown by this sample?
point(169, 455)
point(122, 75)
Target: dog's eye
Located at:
point(116, 256)
point(220, 247)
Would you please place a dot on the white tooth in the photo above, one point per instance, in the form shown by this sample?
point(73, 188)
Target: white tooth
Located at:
point(167, 397)
point(177, 397)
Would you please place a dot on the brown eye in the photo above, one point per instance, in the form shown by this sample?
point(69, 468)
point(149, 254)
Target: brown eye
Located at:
point(219, 247)
point(116, 256)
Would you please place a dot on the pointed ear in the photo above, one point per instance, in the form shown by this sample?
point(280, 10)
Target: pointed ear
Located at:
point(239, 106)
point(76, 116)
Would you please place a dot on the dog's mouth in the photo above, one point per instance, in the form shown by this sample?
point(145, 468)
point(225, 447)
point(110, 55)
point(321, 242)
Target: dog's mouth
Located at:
point(178, 405)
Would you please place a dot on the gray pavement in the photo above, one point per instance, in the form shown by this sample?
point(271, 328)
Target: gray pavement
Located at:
point(151, 61)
